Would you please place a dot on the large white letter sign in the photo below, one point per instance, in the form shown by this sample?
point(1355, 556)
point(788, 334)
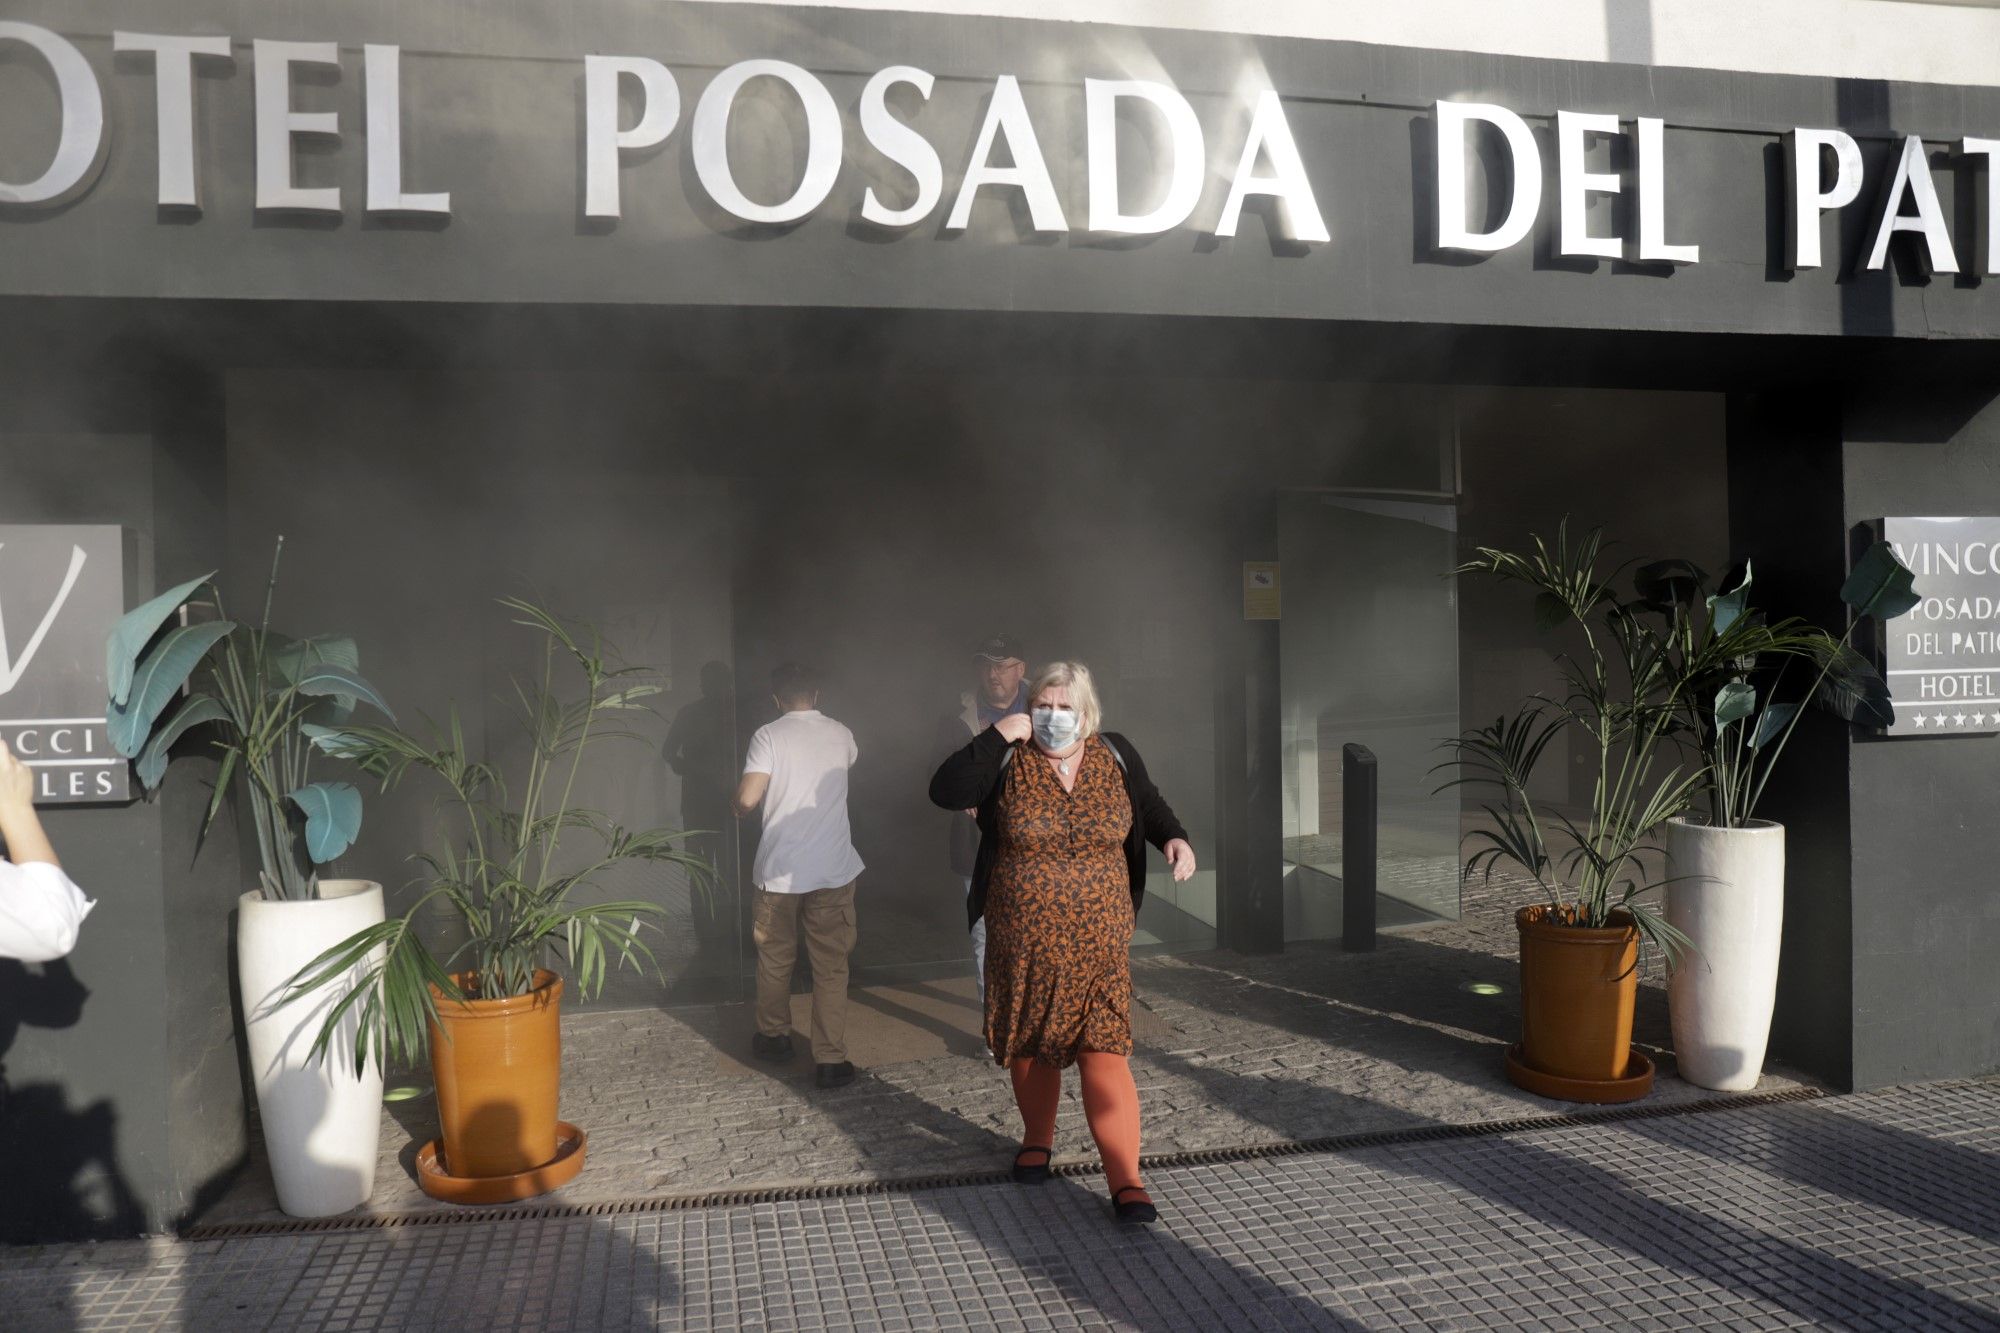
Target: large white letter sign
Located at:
point(1100, 100)
point(1007, 115)
point(81, 134)
point(1271, 135)
point(173, 86)
point(382, 71)
point(1574, 185)
point(1453, 166)
point(1653, 246)
point(1913, 178)
point(659, 111)
point(1809, 200)
point(902, 145)
point(1990, 150)
point(711, 141)
point(276, 124)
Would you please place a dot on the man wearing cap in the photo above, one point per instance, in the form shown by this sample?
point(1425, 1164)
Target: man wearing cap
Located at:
point(1000, 688)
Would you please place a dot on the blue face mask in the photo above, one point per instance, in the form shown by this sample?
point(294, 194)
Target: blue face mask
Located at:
point(1056, 728)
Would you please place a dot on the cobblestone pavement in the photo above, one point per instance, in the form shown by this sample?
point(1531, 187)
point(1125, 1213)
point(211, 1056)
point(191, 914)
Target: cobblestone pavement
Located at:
point(1231, 1051)
point(1878, 1211)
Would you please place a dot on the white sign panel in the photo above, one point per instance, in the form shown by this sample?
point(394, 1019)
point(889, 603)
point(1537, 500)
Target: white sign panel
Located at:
point(1943, 658)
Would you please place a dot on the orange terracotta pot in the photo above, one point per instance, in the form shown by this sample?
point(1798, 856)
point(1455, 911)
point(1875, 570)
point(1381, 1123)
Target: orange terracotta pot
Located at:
point(498, 1066)
point(1578, 989)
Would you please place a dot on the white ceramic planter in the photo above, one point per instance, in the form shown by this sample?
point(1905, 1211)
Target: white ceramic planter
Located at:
point(322, 1125)
point(1727, 894)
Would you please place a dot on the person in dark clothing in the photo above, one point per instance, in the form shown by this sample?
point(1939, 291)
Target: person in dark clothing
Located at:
point(1064, 814)
point(1000, 689)
point(701, 750)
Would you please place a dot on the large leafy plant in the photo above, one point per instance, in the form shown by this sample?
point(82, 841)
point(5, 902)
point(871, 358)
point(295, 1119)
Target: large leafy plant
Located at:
point(261, 692)
point(512, 862)
point(1678, 694)
point(1623, 691)
point(1738, 711)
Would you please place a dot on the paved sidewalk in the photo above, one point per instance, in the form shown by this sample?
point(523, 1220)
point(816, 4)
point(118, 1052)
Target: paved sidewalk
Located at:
point(1879, 1211)
point(1230, 1051)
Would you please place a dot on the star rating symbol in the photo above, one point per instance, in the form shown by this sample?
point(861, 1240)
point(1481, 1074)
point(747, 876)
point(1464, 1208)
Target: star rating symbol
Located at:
point(1938, 718)
point(1921, 719)
point(1978, 719)
point(1959, 718)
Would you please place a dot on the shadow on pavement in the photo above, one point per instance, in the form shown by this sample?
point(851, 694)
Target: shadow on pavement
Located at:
point(1588, 1207)
point(1926, 1179)
point(1064, 1232)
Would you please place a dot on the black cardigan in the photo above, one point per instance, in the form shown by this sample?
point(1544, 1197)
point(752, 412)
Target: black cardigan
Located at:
point(971, 778)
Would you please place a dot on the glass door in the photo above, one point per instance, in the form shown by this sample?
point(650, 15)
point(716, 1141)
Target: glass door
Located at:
point(1368, 655)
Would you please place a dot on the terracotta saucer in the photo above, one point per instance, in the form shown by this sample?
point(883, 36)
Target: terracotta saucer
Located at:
point(552, 1174)
point(1638, 1081)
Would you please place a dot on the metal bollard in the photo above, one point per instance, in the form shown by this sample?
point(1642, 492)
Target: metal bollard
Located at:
point(1358, 812)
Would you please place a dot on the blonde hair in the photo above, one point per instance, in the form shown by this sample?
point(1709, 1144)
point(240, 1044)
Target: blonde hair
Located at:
point(1074, 677)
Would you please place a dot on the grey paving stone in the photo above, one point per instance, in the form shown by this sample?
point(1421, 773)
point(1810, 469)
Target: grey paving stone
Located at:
point(1871, 1211)
point(1231, 1050)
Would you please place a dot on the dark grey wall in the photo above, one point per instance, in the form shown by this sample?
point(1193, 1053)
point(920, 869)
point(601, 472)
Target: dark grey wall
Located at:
point(491, 95)
point(123, 1094)
point(1926, 899)
point(1892, 914)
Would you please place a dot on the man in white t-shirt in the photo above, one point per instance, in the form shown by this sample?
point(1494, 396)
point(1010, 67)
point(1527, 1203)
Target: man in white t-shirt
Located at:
point(804, 871)
point(40, 909)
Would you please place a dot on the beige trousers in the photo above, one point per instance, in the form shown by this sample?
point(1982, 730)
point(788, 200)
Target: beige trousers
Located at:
point(828, 917)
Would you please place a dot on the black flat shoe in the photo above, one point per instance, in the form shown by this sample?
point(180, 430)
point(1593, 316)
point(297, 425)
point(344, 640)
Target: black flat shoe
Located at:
point(1032, 1173)
point(1139, 1210)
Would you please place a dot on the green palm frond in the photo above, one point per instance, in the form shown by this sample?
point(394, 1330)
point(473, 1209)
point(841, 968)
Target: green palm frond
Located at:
point(520, 860)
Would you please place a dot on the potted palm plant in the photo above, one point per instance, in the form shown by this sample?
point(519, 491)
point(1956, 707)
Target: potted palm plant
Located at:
point(259, 693)
point(1580, 946)
point(517, 858)
point(1725, 866)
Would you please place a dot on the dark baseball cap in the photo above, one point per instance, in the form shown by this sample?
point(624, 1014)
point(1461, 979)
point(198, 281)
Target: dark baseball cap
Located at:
point(999, 648)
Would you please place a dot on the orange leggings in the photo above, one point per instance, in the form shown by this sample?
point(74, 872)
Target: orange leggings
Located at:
point(1110, 1104)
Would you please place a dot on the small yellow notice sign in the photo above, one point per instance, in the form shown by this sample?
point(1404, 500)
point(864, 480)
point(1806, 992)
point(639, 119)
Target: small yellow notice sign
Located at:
point(1261, 600)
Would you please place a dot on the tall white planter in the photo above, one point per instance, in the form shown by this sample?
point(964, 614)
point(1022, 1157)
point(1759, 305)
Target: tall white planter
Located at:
point(1727, 894)
point(322, 1125)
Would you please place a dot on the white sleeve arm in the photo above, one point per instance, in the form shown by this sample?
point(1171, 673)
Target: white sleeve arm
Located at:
point(758, 760)
point(41, 910)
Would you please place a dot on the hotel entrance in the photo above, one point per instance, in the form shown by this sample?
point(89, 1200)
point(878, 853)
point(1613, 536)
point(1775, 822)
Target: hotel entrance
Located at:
point(880, 527)
point(876, 514)
point(1096, 519)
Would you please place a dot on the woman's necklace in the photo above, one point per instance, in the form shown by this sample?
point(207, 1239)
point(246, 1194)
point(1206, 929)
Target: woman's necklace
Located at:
point(1063, 764)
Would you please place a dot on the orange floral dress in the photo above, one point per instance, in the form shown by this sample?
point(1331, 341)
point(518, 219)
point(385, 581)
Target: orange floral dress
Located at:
point(1059, 913)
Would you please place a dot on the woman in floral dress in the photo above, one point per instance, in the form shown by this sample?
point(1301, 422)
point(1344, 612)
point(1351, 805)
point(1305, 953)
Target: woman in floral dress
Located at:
point(1065, 812)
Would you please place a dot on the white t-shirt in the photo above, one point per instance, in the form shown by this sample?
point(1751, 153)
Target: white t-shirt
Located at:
point(40, 911)
point(806, 843)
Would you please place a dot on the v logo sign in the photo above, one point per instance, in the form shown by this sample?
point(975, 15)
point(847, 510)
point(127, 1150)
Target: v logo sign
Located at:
point(12, 671)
